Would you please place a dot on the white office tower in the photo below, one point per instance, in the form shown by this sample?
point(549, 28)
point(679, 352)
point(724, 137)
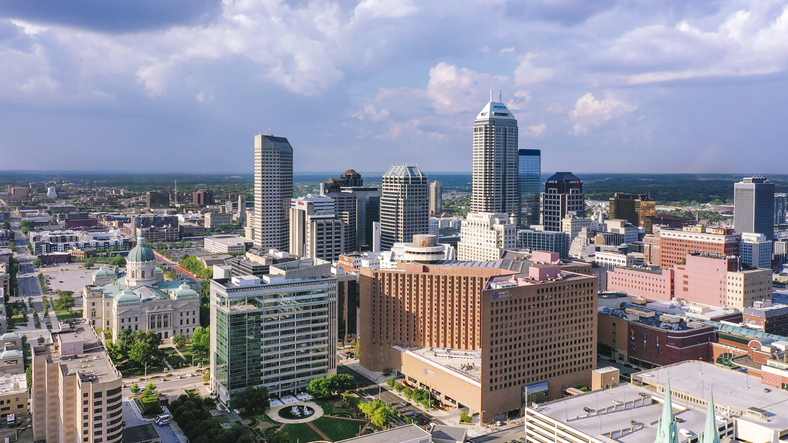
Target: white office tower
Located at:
point(51, 192)
point(273, 189)
point(436, 198)
point(315, 229)
point(404, 205)
point(485, 235)
point(756, 250)
point(495, 161)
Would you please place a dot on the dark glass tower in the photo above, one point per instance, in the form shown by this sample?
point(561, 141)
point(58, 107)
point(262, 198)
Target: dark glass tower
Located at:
point(753, 206)
point(530, 170)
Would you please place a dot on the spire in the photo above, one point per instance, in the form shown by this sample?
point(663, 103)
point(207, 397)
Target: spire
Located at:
point(666, 430)
point(710, 433)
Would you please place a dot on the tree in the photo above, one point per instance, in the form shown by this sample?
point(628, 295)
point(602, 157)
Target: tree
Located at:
point(12, 246)
point(465, 418)
point(66, 301)
point(251, 400)
point(319, 388)
point(391, 383)
point(141, 353)
point(41, 340)
point(179, 340)
point(339, 383)
point(116, 352)
point(201, 340)
point(274, 436)
point(206, 376)
point(135, 389)
point(117, 260)
point(150, 387)
point(89, 263)
point(38, 262)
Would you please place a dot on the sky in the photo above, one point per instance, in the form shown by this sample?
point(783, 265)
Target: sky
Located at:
point(658, 86)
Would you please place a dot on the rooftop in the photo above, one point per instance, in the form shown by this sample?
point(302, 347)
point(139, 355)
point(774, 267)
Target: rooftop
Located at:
point(10, 384)
point(467, 363)
point(407, 433)
point(229, 240)
point(92, 362)
point(140, 433)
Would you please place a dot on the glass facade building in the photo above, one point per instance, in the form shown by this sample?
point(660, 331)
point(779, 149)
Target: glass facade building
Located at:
point(753, 206)
point(276, 332)
point(530, 171)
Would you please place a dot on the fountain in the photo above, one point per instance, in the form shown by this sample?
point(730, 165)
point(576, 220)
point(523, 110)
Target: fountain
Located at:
point(296, 412)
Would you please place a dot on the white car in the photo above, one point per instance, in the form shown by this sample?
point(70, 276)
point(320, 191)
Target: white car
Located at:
point(686, 432)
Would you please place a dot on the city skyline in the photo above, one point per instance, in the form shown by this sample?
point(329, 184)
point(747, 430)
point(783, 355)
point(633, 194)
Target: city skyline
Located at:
point(392, 83)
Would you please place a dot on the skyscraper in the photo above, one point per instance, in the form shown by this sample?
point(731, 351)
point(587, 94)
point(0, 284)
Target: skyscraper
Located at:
point(404, 205)
point(316, 230)
point(780, 204)
point(563, 194)
point(638, 209)
point(530, 186)
point(495, 161)
point(753, 206)
point(436, 198)
point(273, 189)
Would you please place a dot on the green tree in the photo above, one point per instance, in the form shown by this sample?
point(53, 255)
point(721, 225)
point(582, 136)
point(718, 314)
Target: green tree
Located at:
point(380, 417)
point(141, 353)
point(38, 262)
point(319, 388)
point(391, 383)
point(339, 383)
point(117, 260)
point(116, 352)
point(274, 436)
point(135, 389)
point(89, 263)
point(179, 340)
point(12, 246)
point(251, 400)
point(201, 340)
point(150, 387)
point(66, 301)
point(465, 418)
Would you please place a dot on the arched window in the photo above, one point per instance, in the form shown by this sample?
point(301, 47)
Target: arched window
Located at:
point(143, 274)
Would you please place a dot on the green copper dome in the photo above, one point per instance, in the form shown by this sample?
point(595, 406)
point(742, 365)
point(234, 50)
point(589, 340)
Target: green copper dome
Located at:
point(127, 296)
point(141, 252)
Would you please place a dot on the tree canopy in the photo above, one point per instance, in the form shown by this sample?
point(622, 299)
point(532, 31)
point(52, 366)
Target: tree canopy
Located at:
point(251, 400)
point(201, 340)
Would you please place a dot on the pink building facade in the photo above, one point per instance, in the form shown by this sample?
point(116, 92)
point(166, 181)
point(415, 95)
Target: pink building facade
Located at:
point(704, 279)
point(650, 284)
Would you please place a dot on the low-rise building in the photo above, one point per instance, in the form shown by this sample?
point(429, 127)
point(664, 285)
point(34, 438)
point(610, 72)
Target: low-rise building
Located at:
point(224, 244)
point(13, 395)
point(214, 219)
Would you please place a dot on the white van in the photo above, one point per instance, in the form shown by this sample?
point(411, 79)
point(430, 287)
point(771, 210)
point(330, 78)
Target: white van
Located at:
point(163, 419)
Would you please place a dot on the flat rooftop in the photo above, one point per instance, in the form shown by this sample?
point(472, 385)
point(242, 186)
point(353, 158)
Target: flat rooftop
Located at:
point(467, 363)
point(618, 407)
point(93, 363)
point(732, 389)
point(229, 240)
point(10, 384)
point(409, 433)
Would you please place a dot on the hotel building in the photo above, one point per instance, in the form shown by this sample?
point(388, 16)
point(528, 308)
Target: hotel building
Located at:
point(479, 333)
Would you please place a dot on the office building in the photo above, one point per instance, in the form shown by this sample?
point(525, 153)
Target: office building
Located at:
point(214, 219)
point(315, 229)
point(753, 201)
point(767, 317)
point(563, 195)
point(13, 398)
point(278, 331)
point(76, 394)
point(535, 240)
point(638, 209)
point(479, 333)
point(157, 200)
point(674, 245)
point(404, 205)
point(348, 179)
point(571, 225)
point(225, 244)
point(484, 236)
point(756, 250)
point(495, 161)
point(780, 208)
point(202, 197)
point(273, 189)
point(530, 169)
point(436, 198)
point(346, 209)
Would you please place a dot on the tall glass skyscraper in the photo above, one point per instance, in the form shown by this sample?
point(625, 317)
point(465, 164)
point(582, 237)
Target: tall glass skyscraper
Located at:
point(530, 186)
point(753, 206)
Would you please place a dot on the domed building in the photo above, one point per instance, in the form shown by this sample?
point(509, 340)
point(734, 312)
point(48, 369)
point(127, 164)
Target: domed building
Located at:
point(141, 299)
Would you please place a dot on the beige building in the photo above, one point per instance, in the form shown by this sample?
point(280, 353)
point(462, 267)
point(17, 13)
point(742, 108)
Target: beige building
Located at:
point(480, 334)
point(13, 395)
point(141, 299)
point(76, 394)
point(747, 287)
point(485, 235)
point(11, 359)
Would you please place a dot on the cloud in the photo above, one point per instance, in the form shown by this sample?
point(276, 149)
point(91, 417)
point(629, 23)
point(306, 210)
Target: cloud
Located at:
point(535, 130)
point(372, 113)
point(507, 51)
point(592, 112)
point(368, 9)
point(526, 73)
point(521, 98)
point(454, 90)
point(116, 16)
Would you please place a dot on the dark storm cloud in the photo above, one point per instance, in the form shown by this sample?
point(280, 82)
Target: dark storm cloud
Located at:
point(113, 16)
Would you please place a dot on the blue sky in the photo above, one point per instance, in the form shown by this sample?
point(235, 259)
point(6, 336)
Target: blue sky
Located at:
point(183, 86)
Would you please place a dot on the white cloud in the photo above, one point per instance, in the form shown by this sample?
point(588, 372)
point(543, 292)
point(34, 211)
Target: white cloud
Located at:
point(521, 98)
point(526, 73)
point(592, 112)
point(535, 130)
point(370, 112)
point(368, 9)
point(454, 90)
point(507, 51)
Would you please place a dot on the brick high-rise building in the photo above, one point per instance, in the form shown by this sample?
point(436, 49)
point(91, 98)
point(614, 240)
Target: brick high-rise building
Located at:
point(674, 245)
point(479, 333)
point(202, 197)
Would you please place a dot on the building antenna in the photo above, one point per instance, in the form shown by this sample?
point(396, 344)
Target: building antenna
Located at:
point(491, 87)
point(269, 126)
point(499, 89)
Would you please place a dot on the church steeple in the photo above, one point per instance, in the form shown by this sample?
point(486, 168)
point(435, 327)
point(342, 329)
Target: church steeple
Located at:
point(711, 433)
point(666, 430)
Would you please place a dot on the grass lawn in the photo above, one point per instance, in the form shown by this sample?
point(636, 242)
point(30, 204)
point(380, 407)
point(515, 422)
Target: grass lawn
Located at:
point(302, 432)
point(340, 411)
point(15, 321)
point(338, 429)
point(65, 315)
